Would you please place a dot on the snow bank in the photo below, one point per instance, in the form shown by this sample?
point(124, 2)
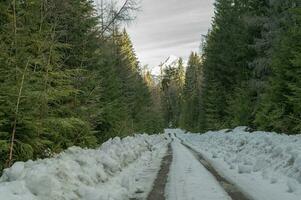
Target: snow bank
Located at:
point(240, 155)
point(106, 173)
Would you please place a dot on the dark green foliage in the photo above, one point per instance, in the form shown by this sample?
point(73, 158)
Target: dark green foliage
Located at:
point(172, 84)
point(240, 108)
point(36, 88)
point(225, 62)
point(66, 81)
point(192, 109)
point(280, 106)
point(250, 69)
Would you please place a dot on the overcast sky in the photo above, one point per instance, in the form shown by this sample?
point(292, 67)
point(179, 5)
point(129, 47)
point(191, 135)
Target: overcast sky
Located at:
point(169, 27)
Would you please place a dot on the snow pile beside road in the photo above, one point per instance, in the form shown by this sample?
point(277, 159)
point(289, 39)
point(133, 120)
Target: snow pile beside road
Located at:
point(240, 155)
point(106, 173)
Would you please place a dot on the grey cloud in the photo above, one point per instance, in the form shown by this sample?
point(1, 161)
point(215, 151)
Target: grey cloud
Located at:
point(165, 27)
point(170, 43)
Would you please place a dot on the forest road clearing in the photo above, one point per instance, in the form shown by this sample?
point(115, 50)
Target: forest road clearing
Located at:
point(185, 175)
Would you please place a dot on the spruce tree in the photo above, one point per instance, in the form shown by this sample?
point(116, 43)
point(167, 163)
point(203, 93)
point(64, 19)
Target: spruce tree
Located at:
point(227, 55)
point(191, 105)
point(279, 109)
point(60, 84)
point(172, 84)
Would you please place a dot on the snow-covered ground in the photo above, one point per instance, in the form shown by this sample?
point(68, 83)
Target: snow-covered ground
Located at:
point(119, 169)
point(189, 180)
point(266, 166)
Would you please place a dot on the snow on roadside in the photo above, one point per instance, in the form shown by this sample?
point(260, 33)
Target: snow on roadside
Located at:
point(119, 169)
point(264, 165)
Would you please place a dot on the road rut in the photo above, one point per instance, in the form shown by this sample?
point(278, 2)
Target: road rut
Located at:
point(158, 191)
point(230, 188)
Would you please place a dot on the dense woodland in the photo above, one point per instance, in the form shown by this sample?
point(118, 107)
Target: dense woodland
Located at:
point(248, 72)
point(69, 75)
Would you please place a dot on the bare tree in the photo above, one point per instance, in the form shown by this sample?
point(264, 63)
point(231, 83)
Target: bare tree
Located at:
point(112, 14)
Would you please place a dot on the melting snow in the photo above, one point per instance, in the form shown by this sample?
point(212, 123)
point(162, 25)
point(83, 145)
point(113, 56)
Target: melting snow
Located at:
point(115, 171)
point(264, 165)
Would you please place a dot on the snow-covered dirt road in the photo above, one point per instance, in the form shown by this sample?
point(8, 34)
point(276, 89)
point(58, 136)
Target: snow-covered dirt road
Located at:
point(190, 180)
point(222, 165)
point(262, 165)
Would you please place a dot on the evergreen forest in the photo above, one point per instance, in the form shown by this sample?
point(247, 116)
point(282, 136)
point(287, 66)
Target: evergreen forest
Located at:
point(69, 75)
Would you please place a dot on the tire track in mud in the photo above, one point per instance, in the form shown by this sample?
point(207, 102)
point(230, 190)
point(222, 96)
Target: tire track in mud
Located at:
point(158, 191)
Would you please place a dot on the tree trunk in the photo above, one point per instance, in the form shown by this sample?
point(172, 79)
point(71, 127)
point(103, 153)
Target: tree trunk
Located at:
point(11, 148)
